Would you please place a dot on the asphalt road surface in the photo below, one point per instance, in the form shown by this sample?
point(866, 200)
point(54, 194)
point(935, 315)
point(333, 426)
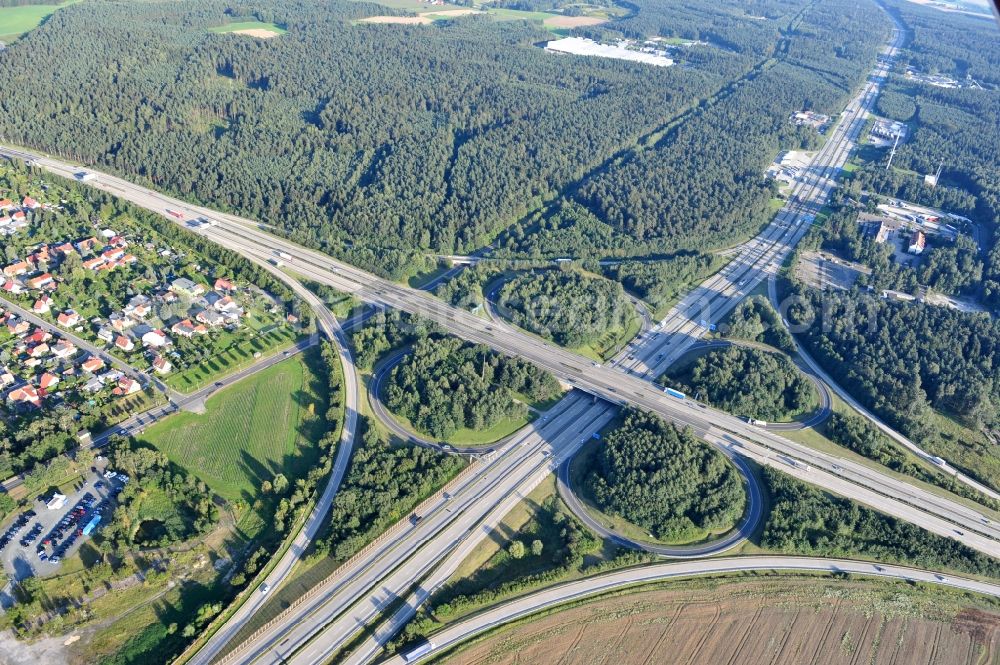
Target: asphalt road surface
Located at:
point(313, 632)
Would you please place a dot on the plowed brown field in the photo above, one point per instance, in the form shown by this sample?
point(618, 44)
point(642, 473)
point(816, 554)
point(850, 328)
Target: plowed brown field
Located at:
point(786, 622)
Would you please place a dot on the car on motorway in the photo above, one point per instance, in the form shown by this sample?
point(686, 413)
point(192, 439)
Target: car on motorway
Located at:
point(265, 587)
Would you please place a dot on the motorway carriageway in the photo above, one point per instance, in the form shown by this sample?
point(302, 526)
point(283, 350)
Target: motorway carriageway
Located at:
point(651, 354)
point(951, 519)
point(450, 519)
point(612, 385)
point(552, 597)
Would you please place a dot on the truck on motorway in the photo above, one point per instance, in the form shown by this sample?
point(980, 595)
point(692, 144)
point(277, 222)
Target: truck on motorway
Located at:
point(757, 423)
point(284, 255)
point(674, 393)
point(86, 176)
point(794, 462)
point(175, 214)
point(418, 652)
point(937, 460)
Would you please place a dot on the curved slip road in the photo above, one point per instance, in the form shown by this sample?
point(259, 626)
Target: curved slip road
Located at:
point(817, 369)
point(389, 420)
point(253, 600)
point(822, 390)
point(454, 635)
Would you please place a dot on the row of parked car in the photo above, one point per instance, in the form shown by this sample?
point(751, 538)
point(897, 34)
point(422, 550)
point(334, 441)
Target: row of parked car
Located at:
point(32, 535)
point(21, 521)
point(70, 520)
point(82, 512)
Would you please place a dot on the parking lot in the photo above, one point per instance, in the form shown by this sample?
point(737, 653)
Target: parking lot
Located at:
point(823, 271)
point(40, 538)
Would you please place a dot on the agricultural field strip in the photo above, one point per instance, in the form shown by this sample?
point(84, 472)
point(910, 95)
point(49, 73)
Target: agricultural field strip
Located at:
point(454, 635)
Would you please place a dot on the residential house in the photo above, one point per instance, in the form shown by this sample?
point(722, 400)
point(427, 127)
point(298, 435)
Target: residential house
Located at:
point(39, 350)
point(30, 203)
point(93, 385)
point(183, 285)
point(210, 318)
point(126, 386)
point(7, 378)
point(917, 243)
point(155, 339)
point(113, 254)
point(18, 327)
point(86, 245)
point(92, 364)
point(222, 284)
point(183, 328)
point(63, 250)
point(6, 204)
point(68, 319)
point(43, 305)
point(12, 286)
point(47, 381)
point(16, 269)
point(106, 334)
point(40, 256)
point(124, 343)
point(38, 336)
point(64, 349)
point(41, 281)
point(161, 365)
point(94, 263)
point(138, 307)
point(119, 322)
point(25, 395)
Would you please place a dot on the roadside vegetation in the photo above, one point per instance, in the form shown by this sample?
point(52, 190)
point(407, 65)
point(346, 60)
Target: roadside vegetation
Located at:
point(445, 385)
point(745, 381)
point(568, 308)
point(665, 480)
point(755, 320)
point(807, 521)
point(384, 482)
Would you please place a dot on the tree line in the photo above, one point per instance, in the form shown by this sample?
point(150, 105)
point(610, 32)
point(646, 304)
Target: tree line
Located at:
point(806, 521)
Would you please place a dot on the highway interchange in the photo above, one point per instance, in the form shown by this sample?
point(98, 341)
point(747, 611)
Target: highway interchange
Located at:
point(416, 557)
